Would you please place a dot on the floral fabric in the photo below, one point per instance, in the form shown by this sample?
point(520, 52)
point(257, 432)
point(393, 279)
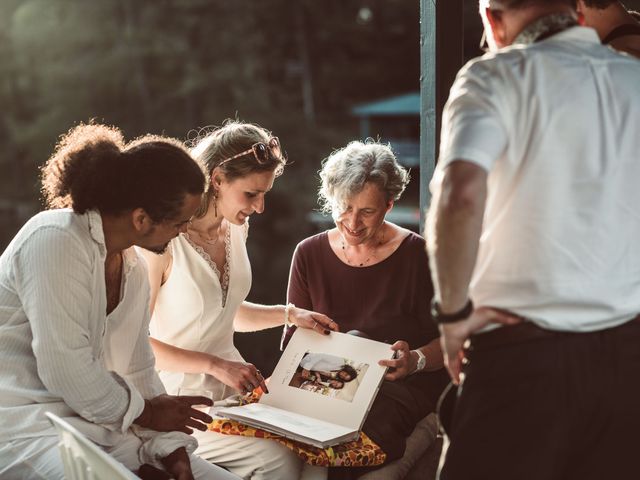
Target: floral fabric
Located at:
point(362, 452)
point(359, 453)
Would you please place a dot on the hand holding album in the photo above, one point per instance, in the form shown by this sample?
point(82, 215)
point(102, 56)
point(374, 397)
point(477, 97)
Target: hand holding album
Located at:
point(321, 389)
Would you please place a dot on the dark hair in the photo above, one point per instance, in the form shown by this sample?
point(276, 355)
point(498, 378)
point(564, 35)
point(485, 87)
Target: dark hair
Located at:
point(337, 384)
point(353, 374)
point(212, 146)
point(93, 168)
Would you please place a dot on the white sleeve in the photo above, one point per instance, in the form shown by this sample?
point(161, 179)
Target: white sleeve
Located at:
point(54, 279)
point(472, 121)
point(157, 445)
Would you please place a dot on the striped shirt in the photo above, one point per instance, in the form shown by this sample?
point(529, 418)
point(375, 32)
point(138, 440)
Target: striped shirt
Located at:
point(60, 351)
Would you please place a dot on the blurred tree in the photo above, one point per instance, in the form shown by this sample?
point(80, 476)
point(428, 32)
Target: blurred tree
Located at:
point(173, 66)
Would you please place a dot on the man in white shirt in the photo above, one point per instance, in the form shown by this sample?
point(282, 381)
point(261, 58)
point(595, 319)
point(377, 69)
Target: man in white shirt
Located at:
point(533, 242)
point(615, 25)
point(74, 310)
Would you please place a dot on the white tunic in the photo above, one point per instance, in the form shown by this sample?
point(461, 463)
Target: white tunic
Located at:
point(60, 351)
point(192, 312)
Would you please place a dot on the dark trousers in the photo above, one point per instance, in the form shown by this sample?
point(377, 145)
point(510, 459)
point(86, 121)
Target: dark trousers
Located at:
point(551, 406)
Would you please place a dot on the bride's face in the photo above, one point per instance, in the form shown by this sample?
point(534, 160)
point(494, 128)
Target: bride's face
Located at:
point(241, 197)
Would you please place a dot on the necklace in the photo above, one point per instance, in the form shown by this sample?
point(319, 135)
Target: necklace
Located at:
point(368, 259)
point(207, 239)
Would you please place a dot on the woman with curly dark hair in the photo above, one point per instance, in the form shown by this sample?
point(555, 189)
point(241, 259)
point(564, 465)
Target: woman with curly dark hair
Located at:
point(74, 315)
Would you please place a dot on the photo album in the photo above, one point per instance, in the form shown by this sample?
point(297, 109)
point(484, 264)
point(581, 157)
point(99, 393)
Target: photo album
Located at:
point(321, 389)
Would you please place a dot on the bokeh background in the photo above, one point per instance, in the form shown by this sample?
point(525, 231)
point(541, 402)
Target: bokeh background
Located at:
point(301, 68)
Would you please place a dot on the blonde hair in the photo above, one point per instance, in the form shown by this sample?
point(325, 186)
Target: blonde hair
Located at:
point(214, 145)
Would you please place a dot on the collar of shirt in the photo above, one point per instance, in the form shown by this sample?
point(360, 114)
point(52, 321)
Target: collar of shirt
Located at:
point(545, 27)
point(129, 255)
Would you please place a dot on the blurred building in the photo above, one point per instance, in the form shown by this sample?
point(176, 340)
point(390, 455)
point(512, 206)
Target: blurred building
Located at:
point(396, 121)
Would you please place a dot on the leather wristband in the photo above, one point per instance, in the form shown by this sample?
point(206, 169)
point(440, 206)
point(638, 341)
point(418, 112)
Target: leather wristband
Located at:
point(440, 317)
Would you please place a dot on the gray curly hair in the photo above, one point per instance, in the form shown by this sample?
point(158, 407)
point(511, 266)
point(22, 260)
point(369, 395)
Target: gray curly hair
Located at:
point(345, 172)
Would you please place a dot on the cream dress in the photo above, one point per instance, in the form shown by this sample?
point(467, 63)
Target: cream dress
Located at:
point(195, 311)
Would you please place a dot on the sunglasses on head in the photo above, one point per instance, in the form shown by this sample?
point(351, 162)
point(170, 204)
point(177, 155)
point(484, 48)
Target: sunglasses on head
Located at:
point(260, 151)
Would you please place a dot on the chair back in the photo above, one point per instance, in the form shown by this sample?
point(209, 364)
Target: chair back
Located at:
point(83, 459)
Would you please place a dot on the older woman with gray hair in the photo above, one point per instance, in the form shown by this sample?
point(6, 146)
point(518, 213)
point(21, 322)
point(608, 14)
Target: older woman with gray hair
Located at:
point(372, 276)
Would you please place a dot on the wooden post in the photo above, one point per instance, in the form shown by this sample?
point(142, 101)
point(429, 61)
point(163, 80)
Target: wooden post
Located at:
point(441, 50)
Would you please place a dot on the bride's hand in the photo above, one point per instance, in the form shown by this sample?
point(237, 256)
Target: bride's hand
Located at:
point(315, 321)
point(241, 376)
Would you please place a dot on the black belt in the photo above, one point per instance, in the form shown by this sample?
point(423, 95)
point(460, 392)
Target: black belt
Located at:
point(521, 333)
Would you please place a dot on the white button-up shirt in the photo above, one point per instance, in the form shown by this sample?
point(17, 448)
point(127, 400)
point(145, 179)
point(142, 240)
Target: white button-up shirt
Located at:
point(60, 351)
point(557, 126)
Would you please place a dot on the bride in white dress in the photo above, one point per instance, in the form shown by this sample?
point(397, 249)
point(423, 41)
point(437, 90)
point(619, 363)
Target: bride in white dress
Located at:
point(198, 291)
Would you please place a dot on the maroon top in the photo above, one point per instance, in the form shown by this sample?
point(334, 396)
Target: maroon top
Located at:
point(388, 301)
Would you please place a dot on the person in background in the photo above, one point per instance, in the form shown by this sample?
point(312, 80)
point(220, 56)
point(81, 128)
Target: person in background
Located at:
point(74, 310)
point(538, 166)
point(372, 276)
point(615, 25)
point(198, 296)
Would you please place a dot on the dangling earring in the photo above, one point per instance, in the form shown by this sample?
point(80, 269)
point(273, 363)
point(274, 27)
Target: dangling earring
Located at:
point(214, 196)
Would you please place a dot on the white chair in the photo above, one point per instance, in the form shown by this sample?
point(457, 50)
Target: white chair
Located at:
point(84, 460)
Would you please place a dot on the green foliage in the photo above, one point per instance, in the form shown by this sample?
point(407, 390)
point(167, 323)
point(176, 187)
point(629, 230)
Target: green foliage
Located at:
point(173, 66)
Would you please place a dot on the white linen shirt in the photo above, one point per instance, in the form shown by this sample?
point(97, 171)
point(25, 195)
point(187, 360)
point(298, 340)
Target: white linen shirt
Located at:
point(60, 352)
point(557, 126)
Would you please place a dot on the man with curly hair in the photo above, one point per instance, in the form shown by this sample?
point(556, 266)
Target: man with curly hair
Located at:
point(74, 309)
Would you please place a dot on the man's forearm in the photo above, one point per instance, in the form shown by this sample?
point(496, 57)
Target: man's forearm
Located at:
point(454, 224)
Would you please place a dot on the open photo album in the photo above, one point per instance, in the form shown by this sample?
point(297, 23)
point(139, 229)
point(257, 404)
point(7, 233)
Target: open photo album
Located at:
point(321, 389)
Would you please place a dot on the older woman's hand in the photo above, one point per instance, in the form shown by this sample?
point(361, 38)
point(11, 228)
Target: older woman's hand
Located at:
point(401, 366)
point(315, 321)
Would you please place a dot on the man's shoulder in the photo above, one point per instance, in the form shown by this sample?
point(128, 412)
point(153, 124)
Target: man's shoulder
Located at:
point(575, 44)
point(60, 222)
point(491, 75)
point(56, 232)
point(63, 217)
point(491, 62)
